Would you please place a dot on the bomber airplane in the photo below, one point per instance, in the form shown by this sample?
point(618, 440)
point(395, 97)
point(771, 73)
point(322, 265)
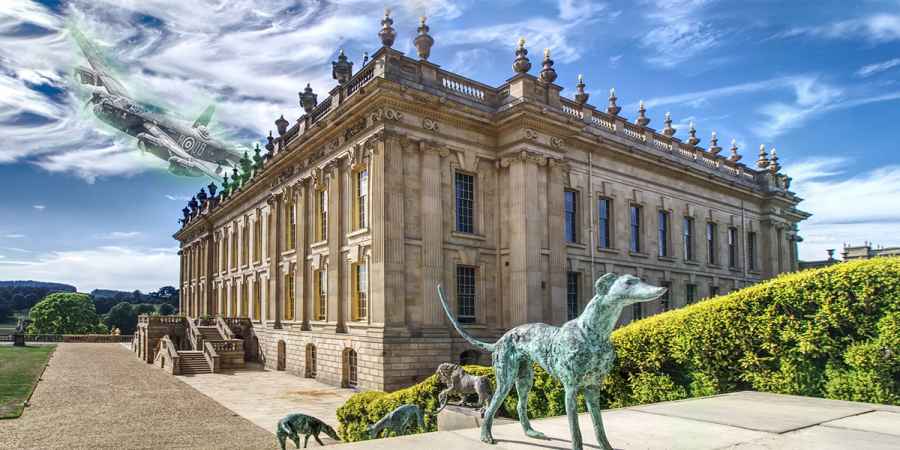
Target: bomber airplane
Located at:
point(189, 149)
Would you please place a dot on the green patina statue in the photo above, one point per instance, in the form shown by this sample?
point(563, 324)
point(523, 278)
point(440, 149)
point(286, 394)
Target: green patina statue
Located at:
point(293, 425)
point(579, 354)
point(400, 421)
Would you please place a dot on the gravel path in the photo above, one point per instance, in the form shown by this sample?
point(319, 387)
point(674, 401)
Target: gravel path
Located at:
point(101, 396)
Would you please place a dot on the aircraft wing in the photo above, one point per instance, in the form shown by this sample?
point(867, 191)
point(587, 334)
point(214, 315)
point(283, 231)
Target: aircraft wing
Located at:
point(177, 156)
point(95, 59)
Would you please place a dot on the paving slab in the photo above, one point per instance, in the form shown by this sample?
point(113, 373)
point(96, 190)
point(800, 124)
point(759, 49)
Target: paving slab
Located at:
point(439, 440)
point(759, 411)
point(876, 421)
point(825, 438)
point(264, 396)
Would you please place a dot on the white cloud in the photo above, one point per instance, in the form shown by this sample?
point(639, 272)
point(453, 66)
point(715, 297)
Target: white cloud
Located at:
point(878, 28)
point(120, 235)
point(178, 198)
point(699, 98)
point(16, 249)
point(39, 207)
point(14, 236)
point(614, 60)
point(103, 267)
point(872, 69)
point(846, 209)
point(677, 32)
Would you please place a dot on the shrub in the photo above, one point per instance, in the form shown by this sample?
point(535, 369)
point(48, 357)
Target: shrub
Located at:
point(831, 332)
point(65, 313)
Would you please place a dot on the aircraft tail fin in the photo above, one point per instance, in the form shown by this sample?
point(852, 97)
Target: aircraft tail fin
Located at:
point(206, 117)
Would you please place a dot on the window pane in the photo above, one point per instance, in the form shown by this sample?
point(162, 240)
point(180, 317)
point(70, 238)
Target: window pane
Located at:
point(603, 212)
point(688, 238)
point(465, 203)
point(572, 295)
point(570, 216)
point(711, 246)
point(663, 233)
point(635, 228)
point(465, 293)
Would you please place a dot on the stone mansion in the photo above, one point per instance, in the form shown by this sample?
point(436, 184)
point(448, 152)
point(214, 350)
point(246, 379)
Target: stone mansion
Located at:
point(514, 198)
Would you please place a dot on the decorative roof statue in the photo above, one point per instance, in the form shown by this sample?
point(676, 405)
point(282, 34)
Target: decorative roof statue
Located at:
point(212, 189)
point(342, 69)
point(668, 130)
point(308, 99)
point(548, 74)
point(387, 33)
point(714, 144)
point(642, 119)
point(365, 58)
point(201, 197)
point(521, 64)
point(186, 213)
point(774, 167)
point(257, 158)
point(281, 125)
point(423, 41)
point(693, 140)
point(613, 109)
point(193, 205)
point(581, 97)
point(226, 186)
point(236, 178)
point(735, 157)
point(762, 162)
point(270, 147)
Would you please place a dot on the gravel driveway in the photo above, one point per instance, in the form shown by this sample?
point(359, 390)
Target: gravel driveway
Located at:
point(102, 396)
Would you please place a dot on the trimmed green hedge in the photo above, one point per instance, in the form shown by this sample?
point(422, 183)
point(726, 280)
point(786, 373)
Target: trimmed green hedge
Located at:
point(832, 332)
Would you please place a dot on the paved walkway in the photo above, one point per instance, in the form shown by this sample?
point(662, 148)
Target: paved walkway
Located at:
point(264, 396)
point(100, 396)
point(742, 420)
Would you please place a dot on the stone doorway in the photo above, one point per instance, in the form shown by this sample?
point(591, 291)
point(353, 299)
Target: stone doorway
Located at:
point(350, 371)
point(282, 356)
point(310, 361)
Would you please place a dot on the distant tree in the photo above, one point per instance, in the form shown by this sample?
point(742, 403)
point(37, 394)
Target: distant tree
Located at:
point(104, 304)
point(29, 299)
point(137, 296)
point(6, 312)
point(166, 309)
point(144, 308)
point(122, 316)
point(65, 313)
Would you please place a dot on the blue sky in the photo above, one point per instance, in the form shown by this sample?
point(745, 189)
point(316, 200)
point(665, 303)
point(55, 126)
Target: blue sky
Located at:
point(80, 204)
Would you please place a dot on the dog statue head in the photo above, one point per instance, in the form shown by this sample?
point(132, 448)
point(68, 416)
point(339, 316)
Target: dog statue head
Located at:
point(612, 294)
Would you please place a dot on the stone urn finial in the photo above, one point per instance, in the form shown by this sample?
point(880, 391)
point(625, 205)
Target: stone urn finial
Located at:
point(342, 69)
point(642, 119)
point(308, 99)
point(581, 97)
point(387, 33)
point(714, 144)
point(423, 41)
point(257, 157)
point(548, 74)
point(693, 139)
point(281, 124)
point(735, 157)
point(613, 109)
point(668, 130)
point(212, 189)
point(521, 64)
point(762, 162)
point(774, 167)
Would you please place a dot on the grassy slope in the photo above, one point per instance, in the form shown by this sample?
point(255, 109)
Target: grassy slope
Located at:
point(20, 368)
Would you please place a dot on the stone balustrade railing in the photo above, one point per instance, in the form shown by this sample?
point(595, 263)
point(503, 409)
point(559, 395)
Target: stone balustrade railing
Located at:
point(72, 338)
point(146, 319)
point(225, 345)
point(464, 87)
point(360, 79)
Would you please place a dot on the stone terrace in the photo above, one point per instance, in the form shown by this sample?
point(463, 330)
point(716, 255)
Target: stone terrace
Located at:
point(100, 396)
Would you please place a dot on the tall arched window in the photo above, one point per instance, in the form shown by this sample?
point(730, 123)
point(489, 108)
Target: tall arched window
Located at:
point(350, 369)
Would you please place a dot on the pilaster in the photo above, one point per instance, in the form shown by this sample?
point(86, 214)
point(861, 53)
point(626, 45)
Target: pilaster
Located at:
point(432, 234)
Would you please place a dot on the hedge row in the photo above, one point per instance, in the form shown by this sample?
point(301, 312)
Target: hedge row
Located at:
point(832, 332)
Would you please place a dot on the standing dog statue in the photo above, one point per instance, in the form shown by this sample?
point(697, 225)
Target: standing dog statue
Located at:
point(459, 382)
point(400, 421)
point(293, 425)
point(579, 354)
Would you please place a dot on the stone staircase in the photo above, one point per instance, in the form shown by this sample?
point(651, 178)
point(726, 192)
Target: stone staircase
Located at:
point(193, 362)
point(210, 333)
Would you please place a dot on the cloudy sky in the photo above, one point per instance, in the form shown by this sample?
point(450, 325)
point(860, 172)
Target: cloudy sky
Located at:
point(80, 204)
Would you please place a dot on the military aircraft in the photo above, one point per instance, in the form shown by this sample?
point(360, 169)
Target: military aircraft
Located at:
point(189, 149)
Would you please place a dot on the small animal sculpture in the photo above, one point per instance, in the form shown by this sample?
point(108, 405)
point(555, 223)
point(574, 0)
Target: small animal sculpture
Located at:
point(293, 425)
point(579, 354)
point(400, 421)
point(460, 382)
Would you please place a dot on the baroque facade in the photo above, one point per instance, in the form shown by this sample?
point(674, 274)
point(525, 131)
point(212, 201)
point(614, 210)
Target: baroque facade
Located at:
point(514, 198)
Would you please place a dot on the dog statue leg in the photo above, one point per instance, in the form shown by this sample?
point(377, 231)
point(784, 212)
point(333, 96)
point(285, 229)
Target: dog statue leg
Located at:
point(593, 403)
point(506, 377)
point(524, 382)
point(572, 413)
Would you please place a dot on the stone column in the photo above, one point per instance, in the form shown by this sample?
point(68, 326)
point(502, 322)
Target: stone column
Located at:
point(276, 202)
point(337, 303)
point(388, 224)
point(210, 273)
point(302, 244)
point(182, 301)
point(555, 296)
point(432, 236)
point(525, 239)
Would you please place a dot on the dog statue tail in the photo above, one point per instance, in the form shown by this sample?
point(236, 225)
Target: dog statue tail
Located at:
point(482, 345)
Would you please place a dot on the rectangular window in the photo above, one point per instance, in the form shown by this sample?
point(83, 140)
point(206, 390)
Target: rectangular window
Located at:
point(257, 239)
point(712, 244)
point(289, 296)
point(465, 203)
point(245, 299)
point(751, 250)
point(222, 254)
point(234, 249)
point(321, 293)
point(362, 192)
point(665, 301)
point(571, 217)
point(690, 293)
point(604, 238)
point(257, 300)
point(571, 295)
point(688, 234)
point(321, 215)
point(732, 247)
point(635, 229)
point(234, 305)
point(637, 311)
point(290, 227)
point(465, 293)
point(360, 287)
point(663, 233)
point(245, 245)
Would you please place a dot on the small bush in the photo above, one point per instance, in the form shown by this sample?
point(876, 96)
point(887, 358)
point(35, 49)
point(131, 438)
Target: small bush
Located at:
point(832, 332)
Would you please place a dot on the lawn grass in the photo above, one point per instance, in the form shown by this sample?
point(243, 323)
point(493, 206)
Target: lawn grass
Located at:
point(20, 368)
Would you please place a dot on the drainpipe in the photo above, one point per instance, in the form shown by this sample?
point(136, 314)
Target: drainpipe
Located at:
point(591, 209)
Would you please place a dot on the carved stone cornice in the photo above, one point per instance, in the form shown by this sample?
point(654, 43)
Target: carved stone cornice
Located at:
point(383, 114)
point(524, 156)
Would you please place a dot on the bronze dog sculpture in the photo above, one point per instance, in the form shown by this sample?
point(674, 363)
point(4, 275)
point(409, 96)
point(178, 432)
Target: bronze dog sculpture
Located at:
point(459, 382)
point(579, 354)
point(293, 425)
point(400, 421)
